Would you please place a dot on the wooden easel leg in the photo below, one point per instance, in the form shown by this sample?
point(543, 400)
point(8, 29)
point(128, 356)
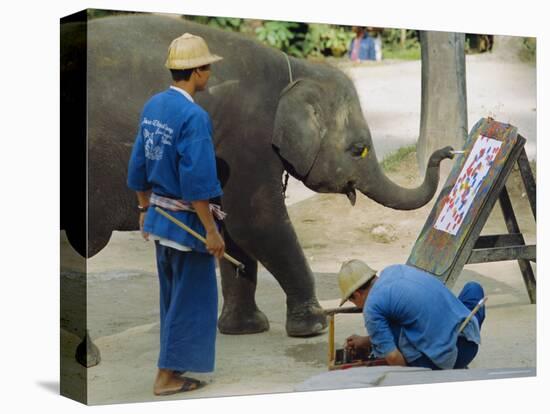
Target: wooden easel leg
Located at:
point(513, 227)
point(528, 181)
point(529, 279)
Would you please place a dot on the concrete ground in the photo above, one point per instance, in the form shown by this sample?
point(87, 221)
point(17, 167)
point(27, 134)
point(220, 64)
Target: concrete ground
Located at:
point(123, 291)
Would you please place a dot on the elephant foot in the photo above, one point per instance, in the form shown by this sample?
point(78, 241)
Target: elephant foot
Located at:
point(239, 322)
point(305, 319)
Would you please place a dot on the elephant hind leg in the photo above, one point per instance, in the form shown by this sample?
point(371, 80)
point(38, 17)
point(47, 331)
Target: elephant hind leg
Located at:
point(240, 314)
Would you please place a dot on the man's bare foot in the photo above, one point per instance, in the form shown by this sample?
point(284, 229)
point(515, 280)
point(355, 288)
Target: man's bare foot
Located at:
point(167, 383)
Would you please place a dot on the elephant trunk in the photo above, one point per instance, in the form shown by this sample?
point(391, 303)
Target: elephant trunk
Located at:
point(384, 191)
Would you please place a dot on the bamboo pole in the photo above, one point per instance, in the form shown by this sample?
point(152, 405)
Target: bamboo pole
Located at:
point(174, 220)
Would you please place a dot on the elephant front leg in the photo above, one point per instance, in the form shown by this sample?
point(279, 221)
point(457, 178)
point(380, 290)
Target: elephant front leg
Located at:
point(304, 315)
point(270, 238)
point(240, 315)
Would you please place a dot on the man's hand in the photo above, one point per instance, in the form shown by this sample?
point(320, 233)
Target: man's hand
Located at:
point(144, 234)
point(143, 201)
point(355, 342)
point(214, 243)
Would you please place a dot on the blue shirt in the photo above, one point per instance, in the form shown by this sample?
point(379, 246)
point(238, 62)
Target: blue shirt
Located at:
point(412, 310)
point(173, 156)
point(367, 49)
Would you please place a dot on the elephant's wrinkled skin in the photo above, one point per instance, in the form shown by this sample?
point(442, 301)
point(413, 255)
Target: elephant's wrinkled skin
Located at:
point(263, 124)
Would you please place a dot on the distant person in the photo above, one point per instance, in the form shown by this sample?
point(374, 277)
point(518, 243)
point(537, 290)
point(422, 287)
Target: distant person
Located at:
point(362, 46)
point(412, 318)
point(376, 34)
point(173, 166)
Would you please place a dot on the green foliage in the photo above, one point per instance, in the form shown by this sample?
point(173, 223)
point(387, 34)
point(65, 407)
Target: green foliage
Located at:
point(528, 52)
point(392, 160)
point(227, 23)
point(296, 39)
point(477, 43)
point(395, 48)
point(391, 38)
point(95, 13)
point(314, 40)
point(277, 34)
point(325, 39)
point(412, 53)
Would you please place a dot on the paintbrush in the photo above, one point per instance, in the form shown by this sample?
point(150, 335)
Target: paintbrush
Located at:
point(472, 313)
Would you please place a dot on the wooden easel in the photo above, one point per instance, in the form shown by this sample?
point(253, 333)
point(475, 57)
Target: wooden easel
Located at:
point(510, 246)
point(483, 249)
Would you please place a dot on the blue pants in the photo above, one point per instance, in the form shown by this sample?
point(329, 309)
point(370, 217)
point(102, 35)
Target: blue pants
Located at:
point(188, 309)
point(470, 296)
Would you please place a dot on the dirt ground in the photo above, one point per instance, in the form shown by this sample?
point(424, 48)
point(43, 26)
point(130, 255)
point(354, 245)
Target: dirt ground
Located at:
point(123, 316)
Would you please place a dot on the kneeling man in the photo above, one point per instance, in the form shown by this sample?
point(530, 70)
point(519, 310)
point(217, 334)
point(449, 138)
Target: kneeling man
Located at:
point(411, 317)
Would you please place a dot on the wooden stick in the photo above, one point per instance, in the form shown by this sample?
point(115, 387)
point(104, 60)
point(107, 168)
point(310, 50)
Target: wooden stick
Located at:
point(330, 339)
point(174, 220)
point(472, 313)
point(333, 311)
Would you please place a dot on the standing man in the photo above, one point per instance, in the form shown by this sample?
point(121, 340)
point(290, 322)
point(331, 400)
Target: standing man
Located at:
point(412, 318)
point(173, 166)
point(362, 46)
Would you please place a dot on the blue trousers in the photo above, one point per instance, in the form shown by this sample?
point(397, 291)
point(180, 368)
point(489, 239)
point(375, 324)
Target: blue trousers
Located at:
point(188, 309)
point(470, 295)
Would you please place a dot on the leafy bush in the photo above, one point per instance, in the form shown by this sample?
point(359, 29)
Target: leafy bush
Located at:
point(95, 13)
point(227, 23)
point(393, 47)
point(391, 38)
point(528, 52)
point(325, 40)
point(277, 34)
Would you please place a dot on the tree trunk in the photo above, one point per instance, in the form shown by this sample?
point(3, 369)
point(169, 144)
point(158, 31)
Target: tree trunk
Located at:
point(443, 115)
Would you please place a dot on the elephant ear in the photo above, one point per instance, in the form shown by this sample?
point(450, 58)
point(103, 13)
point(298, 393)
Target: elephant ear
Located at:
point(299, 124)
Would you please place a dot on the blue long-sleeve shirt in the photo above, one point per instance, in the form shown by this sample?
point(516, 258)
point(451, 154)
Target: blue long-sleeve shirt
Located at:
point(415, 309)
point(173, 155)
point(366, 50)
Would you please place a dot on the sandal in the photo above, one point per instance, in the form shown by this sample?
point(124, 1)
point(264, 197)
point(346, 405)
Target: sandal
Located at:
point(189, 384)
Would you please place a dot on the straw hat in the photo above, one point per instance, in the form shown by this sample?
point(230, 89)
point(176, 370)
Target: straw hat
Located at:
point(189, 52)
point(353, 274)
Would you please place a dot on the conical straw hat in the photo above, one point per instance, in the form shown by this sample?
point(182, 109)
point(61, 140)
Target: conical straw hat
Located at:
point(188, 52)
point(353, 274)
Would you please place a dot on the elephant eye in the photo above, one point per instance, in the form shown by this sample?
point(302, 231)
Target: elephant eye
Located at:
point(359, 150)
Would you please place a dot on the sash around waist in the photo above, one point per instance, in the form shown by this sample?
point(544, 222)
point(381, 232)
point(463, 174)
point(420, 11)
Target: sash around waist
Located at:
point(174, 204)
